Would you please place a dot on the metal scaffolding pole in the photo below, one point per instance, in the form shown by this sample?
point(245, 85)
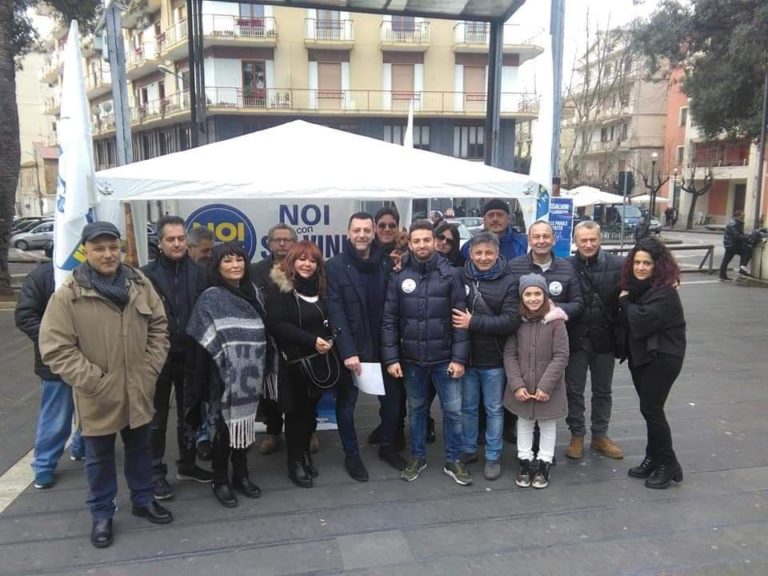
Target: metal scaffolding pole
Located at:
point(492, 118)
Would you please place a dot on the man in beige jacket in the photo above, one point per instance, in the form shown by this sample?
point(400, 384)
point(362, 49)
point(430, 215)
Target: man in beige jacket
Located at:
point(105, 333)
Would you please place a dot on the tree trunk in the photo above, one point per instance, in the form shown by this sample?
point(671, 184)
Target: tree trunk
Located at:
point(10, 150)
point(691, 208)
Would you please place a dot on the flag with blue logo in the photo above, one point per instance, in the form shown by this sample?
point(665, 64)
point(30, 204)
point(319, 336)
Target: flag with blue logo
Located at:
point(75, 188)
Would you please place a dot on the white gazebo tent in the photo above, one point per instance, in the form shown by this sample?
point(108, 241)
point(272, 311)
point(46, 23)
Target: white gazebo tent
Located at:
point(588, 196)
point(301, 160)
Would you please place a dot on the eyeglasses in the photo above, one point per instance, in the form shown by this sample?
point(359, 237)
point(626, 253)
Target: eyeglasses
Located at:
point(383, 225)
point(446, 239)
point(282, 240)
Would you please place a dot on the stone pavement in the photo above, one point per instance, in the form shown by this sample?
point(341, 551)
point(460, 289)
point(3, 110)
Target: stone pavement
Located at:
point(592, 519)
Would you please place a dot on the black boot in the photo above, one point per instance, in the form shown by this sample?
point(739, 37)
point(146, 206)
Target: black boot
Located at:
point(309, 466)
point(374, 438)
point(644, 470)
point(298, 475)
point(101, 533)
point(663, 475)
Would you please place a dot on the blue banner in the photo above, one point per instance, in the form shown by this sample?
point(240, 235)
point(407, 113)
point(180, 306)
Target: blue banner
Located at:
point(561, 218)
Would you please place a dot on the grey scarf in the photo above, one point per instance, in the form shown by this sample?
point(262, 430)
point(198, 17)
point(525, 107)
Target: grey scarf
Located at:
point(115, 289)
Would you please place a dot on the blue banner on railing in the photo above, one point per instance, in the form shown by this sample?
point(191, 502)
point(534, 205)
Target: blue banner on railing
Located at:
point(561, 218)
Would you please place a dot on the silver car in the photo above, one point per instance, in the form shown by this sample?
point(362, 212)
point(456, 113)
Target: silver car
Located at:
point(37, 237)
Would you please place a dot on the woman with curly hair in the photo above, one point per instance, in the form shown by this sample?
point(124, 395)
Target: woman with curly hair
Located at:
point(652, 313)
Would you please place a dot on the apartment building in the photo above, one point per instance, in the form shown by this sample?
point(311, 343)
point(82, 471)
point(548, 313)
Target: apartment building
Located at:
point(733, 165)
point(618, 120)
point(265, 65)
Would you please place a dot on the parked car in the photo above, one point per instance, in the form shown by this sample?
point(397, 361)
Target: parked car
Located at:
point(473, 223)
point(654, 225)
point(153, 247)
point(464, 233)
point(26, 224)
point(37, 237)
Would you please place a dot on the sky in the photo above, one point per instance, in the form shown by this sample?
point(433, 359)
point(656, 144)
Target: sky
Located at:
point(602, 14)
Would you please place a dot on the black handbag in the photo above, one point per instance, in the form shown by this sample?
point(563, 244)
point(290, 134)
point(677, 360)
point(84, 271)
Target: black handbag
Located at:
point(322, 370)
point(618, 330)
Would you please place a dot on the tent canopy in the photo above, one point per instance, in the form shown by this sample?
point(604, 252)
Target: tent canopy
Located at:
point(300, 160)
point(587, 196)
point(646, 199)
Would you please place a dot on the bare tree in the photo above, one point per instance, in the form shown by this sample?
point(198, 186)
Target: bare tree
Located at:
point(690, 186)
point(598, 91)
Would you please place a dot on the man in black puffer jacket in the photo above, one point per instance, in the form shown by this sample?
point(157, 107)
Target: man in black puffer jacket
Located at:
point(178, 281)
point(564, 287)
point(419, 345)
point(491, 317)
point(54, 422)
point(592, 342)
point(736, 242)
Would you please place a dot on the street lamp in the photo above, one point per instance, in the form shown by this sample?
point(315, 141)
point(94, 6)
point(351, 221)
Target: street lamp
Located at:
point(654, 156)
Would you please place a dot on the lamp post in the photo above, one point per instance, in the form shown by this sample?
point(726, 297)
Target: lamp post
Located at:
point(652, 211)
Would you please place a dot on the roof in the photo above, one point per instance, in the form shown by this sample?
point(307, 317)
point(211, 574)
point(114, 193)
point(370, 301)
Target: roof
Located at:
point(486, 10)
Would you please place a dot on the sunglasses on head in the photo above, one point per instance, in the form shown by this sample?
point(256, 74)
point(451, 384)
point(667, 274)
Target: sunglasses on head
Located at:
point(447, 239)
point(390, 225)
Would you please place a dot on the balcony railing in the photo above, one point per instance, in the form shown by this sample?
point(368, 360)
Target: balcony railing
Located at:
point(414, 33)
point(329, 30)
point(237, 27)
point(98, 77)
point(138, 55)
point(366, 101)
point(103, 124)
point(160, 108)
point(479, 34)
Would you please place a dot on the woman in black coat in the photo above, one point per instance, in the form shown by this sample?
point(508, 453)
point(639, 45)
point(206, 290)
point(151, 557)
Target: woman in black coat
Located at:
point(447, 242)
point(652, 313)
point(297, 317)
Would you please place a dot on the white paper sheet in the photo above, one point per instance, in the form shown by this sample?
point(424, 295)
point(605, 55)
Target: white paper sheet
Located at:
point(370, 379)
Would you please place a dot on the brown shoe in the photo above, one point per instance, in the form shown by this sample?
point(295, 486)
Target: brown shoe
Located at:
point(269, 444)
point(607, 447)
point(575, 449)
point(314, 443)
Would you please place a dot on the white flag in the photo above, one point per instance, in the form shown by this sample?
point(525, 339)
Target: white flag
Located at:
point(75, 189)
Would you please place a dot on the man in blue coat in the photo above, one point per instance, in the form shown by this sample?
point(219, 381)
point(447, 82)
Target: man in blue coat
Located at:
point(357, 281)
point(496, 219)
point(419, 344)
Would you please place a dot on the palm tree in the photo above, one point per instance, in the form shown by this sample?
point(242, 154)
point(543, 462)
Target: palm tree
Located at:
point(16, 36)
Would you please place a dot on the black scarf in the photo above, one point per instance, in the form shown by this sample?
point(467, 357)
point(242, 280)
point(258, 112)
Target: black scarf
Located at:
point(307, 286)
point(114, 289)
point(363, 266)
point(637, 288)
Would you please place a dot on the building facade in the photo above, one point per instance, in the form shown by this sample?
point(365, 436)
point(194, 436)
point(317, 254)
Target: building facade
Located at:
point(266, 65)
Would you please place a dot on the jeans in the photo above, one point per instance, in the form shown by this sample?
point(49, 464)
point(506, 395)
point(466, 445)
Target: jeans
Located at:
point(744, 253)
point(492, 382)
point(417, 379)
point(547, 438)
point(102, 476)
point(389, 411)
point(171, 378)
point(600, 365)
point(653, 381)
point(54, 425)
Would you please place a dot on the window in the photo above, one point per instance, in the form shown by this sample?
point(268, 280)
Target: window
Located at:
point(682, 117)
point(254, 83)
point(474, 88)
point(251, 11)
point(603, 135)
point(679, 154)
point(329, 85)
point(403, 24)
point(329, 25)
point(624, 131)
point(475, 32)
point(395, 133)
point(469, 142)
point(402, 86)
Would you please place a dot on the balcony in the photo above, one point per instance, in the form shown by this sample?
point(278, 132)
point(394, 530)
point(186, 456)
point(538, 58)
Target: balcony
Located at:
point(365, 102)
point(98, 81)
point(52, 106)
point(220, 30)
point(52, 68)
point(161, 111)
point(335, 34)
point(138, 11)
point(142, 60)
point(404, 37)
point(474, 37)
point(103, 125)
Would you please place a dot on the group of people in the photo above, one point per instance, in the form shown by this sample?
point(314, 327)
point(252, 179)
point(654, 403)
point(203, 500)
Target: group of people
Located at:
point(503, 336)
